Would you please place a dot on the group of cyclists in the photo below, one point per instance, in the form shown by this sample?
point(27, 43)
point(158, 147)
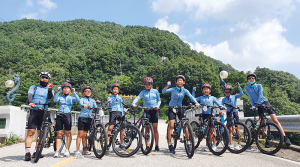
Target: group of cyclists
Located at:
point(39, 96)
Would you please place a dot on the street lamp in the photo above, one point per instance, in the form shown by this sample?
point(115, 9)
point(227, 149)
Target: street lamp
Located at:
point(9, 83)
point(223, 74)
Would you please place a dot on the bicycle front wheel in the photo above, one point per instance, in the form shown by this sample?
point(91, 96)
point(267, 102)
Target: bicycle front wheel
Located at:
point(269, 138)
point(130, 141)
point(217, 138)
point(41, 142)
point(99, 140)
point(250, 125)
point(196, 132)
point(188, 137)
point(148, 138)
point(241, 138)
point(174, 137)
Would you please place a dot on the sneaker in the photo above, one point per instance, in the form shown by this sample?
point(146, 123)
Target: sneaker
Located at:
point(267, 145)
point(78, 154)
point(107, 148)
point(56, 154)
point(171, 148)
point(122, 147)
point(238, 147)
point(27, 157)
point(206, 149)
point(67, 153)
point(231, 146)
point(156, 148)
point(86, 152)
point(214, 147)
point(41, 156)
point(287, 141)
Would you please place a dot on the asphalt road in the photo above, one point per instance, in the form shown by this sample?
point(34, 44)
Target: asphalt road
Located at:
point(14, 156)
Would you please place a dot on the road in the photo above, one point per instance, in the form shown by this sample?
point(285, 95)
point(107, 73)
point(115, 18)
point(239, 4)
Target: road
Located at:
point(14, 156)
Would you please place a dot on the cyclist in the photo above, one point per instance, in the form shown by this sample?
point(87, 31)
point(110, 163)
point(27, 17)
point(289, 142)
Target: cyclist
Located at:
point(231, 99)
point(84, 118)
point(255, 93)
point(65, 106)
point(38, 96)
point(177, 95)
point(151, 99)
point(115, 103)
point(209, 100)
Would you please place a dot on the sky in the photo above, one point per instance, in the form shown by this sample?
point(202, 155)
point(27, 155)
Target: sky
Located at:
point(243, 33)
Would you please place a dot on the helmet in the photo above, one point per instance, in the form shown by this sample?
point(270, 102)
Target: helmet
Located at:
point(85, 87)
point(251, 74)
point(148, 80)
point(45, 74)
point(179, 76)
point(227, 87)
point(66, 85)
point(115, 85)
point(206, 85)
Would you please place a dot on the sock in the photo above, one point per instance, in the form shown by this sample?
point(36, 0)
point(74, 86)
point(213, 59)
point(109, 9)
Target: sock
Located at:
point(27, 149)
point(170, 143)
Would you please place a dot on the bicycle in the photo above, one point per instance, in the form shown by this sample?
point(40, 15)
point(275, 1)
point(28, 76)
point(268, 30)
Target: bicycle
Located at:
point(214, 131)
point(146, 129)
point(241, 142)
point(187, 137)
point(96, 137)
point(130, 134)
point(268, 136)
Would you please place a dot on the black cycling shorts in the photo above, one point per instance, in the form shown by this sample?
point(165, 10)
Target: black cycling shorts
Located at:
point(84, 123)
point(235, 115)
point(113, 115)
point(261, 110)
point(152, 115)
point(172, 115)
point(64, 121)
point(35, 119)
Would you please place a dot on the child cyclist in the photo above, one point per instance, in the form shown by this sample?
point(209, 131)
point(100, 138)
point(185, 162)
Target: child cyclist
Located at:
point(115, 103)
point(151, 99)
point(84, 118)
point(177, 96)
point(65, 119)
point(209, 100)
point(255, 93)
point(231, 99)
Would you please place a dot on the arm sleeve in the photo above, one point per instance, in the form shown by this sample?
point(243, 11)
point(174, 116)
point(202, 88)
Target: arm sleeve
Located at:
point(191, 97)
point(76, 99)
point(223, 101)
point(81, 102)
point(50, 94)
point(260, 95)
point(167, 90)
point(251, 100)
point(158, 99)
point(239, 95)
point(30, 94)
point(121, 104)
point(193, 94)
point(138, 98)
point(56, 97)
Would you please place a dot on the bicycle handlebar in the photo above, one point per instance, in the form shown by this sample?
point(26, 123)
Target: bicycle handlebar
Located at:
point(213, 107)
point(231, 106)
point(95, 108)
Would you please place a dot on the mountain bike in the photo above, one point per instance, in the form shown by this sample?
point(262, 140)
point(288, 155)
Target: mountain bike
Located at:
point(215, 132)
point(240, 137)
point(187, 136)
point(268, 136)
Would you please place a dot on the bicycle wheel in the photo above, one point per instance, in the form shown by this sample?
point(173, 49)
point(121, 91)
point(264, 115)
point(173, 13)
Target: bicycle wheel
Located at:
point(197, 133)
point(249, 123)
point(269, 138)
point(217, 138)
point(241, 138)
point(148, 138)
point(41, 142)
point(63, 142)
point(188, 139)
point(174, 137)
point(131, 142)
point(99, 140)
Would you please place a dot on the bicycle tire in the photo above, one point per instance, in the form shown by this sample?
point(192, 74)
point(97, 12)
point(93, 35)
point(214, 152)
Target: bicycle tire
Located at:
point(149, 136)
point(197, 138)
point(259, 136)
point(189, 143)
point(63, 142)
point(245, 141)
point(89, 141)
point(130, 133)
point(41, 142)
point(173, 139)
point(221, 136)
point(99, 141)
point(249, 123)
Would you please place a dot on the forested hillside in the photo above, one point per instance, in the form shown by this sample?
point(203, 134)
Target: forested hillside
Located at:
point(97, 53)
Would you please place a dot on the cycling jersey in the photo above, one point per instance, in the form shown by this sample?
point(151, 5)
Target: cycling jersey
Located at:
point(209, 100)
point(115, 103)
point(255, 94)
point(151, 98)
point(66, 102)
point(232, 100)
point(86, 113)
point(40, 96)
point(177, 97)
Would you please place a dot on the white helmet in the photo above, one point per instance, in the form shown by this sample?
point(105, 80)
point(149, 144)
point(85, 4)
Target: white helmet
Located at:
point(45, 74)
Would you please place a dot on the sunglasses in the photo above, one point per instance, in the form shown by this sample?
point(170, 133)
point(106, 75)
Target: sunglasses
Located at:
point(88, 91)
point(45, 77)
point(251, 78)
point(227, 92)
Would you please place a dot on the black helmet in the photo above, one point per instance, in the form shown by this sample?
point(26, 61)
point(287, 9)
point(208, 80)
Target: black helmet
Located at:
point(66, 85)
point(85, 87)
point(251, 74)
point(179, 76)
point(115, 85)
point(206, 85)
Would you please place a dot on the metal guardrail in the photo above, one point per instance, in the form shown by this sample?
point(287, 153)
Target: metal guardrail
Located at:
point(290, 123)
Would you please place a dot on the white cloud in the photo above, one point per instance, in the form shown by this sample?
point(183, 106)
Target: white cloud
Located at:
point(164, 25)
point(263, 45)
point(198, 31)
point(47, 5)
point(29, 3)
point(29, 16)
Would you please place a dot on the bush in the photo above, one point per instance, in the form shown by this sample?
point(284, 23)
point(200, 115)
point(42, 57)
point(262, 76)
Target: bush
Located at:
point(13, 138)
